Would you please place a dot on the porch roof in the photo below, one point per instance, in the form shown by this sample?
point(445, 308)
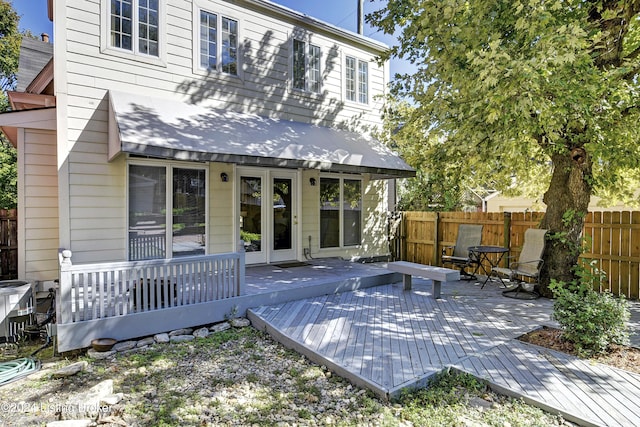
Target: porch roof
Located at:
point(38, 118)
point(171, 129)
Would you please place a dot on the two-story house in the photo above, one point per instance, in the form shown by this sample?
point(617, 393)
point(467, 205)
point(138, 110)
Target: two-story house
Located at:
point(161, 129)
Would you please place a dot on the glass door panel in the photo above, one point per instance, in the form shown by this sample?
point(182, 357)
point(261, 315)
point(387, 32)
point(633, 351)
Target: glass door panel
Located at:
point(283, 217)
point(251, 213)
point(188, 212)
point(282, 214)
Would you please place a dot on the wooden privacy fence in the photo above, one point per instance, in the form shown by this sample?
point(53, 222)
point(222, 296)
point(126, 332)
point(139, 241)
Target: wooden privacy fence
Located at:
point(8, 244)
point(613, 240)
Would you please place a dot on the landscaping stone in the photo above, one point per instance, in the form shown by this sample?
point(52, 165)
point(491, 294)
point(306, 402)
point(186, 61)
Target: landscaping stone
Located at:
point(124, 345)
point(182, 338)
point(100, 355)
point(112, 399)
point(219, 327)
point(145, 342)
point(88, 403)
point(183, 331)
point(201, 333)
point(70, 370)
point(240, 322)
point(178, 335)
point(480, 403)
point(161, 338)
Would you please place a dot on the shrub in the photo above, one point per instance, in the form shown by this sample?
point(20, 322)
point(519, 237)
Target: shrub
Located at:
point(591, 320)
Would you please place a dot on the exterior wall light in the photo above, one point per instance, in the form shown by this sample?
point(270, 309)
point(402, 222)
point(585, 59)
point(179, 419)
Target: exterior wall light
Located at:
point(312, 181)
point(224, 177)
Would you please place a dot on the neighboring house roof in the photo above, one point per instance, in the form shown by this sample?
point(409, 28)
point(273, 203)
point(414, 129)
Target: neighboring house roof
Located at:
point(34, 56)
point(34, 91)
point(171, 129)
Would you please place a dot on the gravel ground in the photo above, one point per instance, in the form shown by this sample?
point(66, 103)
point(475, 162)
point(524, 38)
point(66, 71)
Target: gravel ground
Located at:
point(236, 377)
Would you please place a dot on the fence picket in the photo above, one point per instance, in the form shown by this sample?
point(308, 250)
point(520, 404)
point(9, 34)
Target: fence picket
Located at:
point(8, 244)
point(634, 255)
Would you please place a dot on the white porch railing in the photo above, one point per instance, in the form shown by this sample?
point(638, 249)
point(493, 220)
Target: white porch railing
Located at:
point(107, 290)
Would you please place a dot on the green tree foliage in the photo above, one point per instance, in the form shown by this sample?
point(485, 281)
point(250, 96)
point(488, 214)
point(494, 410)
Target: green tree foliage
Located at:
point(8, 175)
point(10, 39)
point(526, 94)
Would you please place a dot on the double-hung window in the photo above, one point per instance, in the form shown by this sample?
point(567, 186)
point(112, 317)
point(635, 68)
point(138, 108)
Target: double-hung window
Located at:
point(135, 26)
point(340, 212)
point(356, 80)
point(166, 211)
point(306, 66)
point(218, 43)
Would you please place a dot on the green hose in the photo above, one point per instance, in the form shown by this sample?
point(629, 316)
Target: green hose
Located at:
point(16, 369)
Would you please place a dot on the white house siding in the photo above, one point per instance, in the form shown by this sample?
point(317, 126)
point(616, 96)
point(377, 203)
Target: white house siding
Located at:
point(38, 204)
point(221, 201)
point(94, 226)
point(310, 219)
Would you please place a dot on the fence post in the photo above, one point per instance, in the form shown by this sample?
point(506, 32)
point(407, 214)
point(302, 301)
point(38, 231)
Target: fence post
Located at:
point(436, 239)
point(507, 238)
point(63, 299)
point(403, 237)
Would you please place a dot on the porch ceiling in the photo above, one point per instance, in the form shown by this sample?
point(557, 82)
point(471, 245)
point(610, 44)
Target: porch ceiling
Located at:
point(170, 129)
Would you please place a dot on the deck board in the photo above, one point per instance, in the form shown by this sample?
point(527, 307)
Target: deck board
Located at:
point(386, 339)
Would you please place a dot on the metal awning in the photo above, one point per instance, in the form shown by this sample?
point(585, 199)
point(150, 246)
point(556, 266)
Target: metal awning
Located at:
point(175, 130)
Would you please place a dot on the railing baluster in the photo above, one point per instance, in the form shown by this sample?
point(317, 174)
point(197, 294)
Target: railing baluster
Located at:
point(95, 291)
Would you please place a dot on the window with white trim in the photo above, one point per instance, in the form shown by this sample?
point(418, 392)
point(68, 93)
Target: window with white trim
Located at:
point(167, 211)
point(340, 212)
point(134, 26)
point(218, 43)
point(356, 80)
point(306, 66)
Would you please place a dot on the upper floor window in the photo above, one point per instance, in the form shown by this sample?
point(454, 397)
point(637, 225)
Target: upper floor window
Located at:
point(306, 66)
point(218, 43)
point(135, 26)
point(356, 80)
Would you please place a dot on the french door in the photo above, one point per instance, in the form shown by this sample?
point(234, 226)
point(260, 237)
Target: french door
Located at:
point(268, 214)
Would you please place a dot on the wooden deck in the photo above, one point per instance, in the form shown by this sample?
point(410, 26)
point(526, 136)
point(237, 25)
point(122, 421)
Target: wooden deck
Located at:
point(387, 339)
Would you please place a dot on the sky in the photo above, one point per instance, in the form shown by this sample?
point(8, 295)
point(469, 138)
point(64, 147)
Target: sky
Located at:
point(341, 13)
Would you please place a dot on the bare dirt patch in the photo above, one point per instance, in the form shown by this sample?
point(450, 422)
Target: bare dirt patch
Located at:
point(623, 357)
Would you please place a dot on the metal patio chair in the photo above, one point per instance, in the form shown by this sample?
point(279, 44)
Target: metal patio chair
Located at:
point(528, 265)
point(468, 235)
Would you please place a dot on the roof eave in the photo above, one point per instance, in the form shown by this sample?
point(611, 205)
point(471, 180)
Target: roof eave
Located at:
point(290, 13)
point(11, 121)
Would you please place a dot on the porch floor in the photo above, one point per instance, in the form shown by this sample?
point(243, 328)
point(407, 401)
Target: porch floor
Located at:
point(387, 339)
point(262, 279)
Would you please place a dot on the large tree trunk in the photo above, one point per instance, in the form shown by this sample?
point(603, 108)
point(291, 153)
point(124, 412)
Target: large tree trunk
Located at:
point(567, 201)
